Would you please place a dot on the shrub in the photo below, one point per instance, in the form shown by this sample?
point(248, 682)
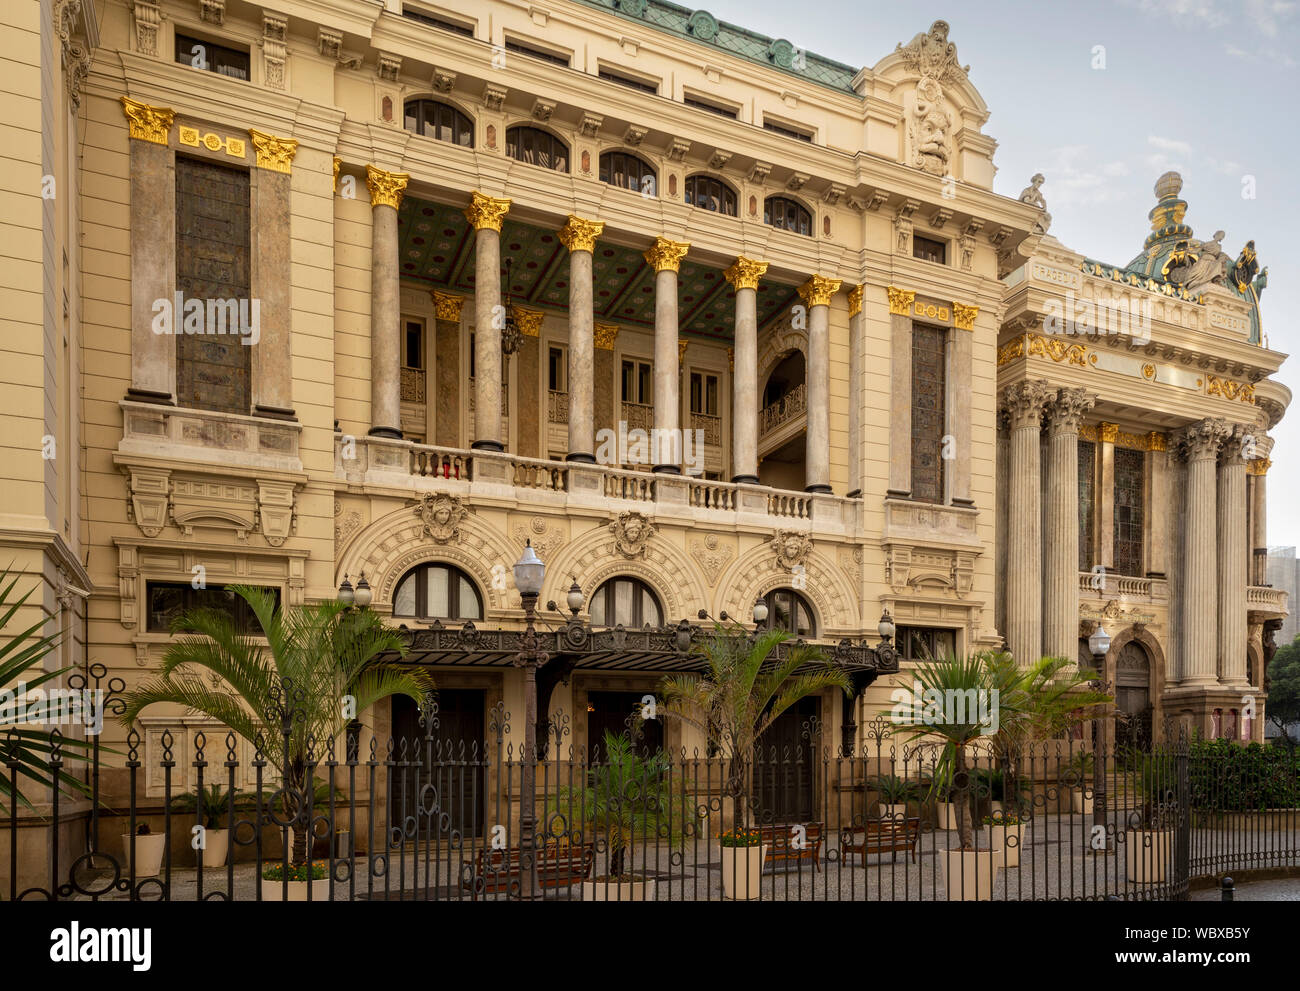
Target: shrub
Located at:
point(1227, 777)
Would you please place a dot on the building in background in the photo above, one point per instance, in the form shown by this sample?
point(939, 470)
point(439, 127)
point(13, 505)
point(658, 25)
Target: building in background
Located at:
point(1284, 574)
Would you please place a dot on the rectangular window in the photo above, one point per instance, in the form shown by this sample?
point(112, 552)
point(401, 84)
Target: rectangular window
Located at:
point(1130, 472)
point(169, 600)
point(532, 51)
point(555, 368)
point(414, 344)
point(713, 108)
point(213, 370)
point(1087, 462)
point(928, 412)
point(929, 250)
point(438, 22)
point(221, 59)
point(637, 378)
point(609, 75)
point(704, 393)
point(786, 130)
point(920, 643)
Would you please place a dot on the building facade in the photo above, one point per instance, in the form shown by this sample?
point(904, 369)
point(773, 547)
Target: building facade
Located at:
point(1284, 574)
point(387, 290)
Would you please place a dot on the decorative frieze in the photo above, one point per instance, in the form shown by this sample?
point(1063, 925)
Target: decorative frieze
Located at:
point(1228, 389)
point(1058, 351)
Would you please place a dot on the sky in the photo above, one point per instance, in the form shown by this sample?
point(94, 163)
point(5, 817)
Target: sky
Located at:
point(1207, 88)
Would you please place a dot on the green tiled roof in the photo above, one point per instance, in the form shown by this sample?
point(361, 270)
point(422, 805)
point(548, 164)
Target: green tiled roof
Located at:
point(702, 27)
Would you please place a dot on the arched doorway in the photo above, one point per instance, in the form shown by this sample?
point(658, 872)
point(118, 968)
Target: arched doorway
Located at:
point(1133, 693)
point(782, 423)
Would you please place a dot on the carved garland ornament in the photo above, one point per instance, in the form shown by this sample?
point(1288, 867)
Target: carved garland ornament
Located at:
point(442, 515)
point(712, 556)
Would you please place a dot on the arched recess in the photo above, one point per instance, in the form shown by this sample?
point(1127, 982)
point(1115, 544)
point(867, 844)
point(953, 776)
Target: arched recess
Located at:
point(393, 544)
point(774, 346)
point(1254, 663)
point(438, 99)
point(827, 589)
point(593, 559)
point(1156, 659)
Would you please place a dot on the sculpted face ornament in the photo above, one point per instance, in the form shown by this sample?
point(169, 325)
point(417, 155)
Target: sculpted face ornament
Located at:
point(791, 548)
point(632, 531)
point(442, 515)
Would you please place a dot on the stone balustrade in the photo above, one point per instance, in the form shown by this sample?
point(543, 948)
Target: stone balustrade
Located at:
point(793, 404)
point(1263, 598)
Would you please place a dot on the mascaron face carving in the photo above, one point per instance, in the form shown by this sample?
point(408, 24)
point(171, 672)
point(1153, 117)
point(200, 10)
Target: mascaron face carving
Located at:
point(442, 515)
point(632, 531)
point(791, 548)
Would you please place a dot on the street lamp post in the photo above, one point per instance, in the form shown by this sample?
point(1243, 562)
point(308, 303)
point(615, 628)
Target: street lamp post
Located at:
point(1099, 644)
point(529, 573)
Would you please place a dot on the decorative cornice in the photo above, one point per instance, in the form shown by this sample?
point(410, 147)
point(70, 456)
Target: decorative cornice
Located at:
point(1228, 389)
point(446, 306)
point(273, 154)
point(963, 316)
point(529, 321)
point(1046, 347)
point(386, 188)
point(666, 254)
point(487, 212)
point(900, 301)
point(579, 234)
point(818, 290)
point(605, 334)
point(148, 123)
point(855, 300)
point(745, 273)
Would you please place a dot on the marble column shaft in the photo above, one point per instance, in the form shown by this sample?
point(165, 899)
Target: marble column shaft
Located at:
point(272, 286)
point(1024, 406)
point(816, 294)
point(579, 236)
point(386, 189)
point(665, 256)
point(1259, 514)
point(744, 275)
point(1200, 446)
point(153, 268)
point(1231, 513)
point(855, 392)
point(486, 214)
point(1061, 524)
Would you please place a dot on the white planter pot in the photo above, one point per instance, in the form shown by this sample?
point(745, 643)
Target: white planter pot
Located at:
point(216, 846)
point(273, 891)
point(947, 815)
point(1147, 854)
point(618, 891)
point(895, 812)
point(742, 867)
point(1080, 803)
point(968, 874)
point(1007, 841)
point(149, 851)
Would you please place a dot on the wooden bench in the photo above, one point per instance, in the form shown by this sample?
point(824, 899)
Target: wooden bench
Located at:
point(499, 870)
point(882, 836)
point(780, 840)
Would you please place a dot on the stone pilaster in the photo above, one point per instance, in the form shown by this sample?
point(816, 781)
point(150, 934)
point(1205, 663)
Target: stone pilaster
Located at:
point(1023, 403)
point(448, 393)
point(959, 382)
point(386, 189)
point(605, 336)
point(855, 391)
point(487, 214)
point(1257, 473)
point(579, 236)
point(1061, 524)
point(665, 256)
point(1231, 516)
point(744, 274)
point(900, 390)
point(1199, 445)
point(271, 285)
point(1104, 497)
point(816, 294)
point(1155, 547)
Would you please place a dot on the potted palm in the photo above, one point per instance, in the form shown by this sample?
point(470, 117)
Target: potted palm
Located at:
point(893, 795)
point(742, 863)
point(146, 852)
point(625, 795)
point(216, 806)
point(747, 683)
point(284, 691)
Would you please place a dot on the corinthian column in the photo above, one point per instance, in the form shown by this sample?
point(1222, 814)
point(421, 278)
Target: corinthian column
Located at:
point(487, 214)
point(666, 256)
point(1232, 556)
point(1023, 403)
point(386, 189)
point(579, 236)
point(1258, 470)
point(855, 392)
point(1061, 524)
point(745, 274)
point(1199, 444)
point(816, 294)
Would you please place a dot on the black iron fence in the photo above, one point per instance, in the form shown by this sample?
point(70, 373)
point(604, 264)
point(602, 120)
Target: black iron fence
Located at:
point(431, 818)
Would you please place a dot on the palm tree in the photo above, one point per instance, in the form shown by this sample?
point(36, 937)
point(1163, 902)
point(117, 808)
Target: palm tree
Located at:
point(744, 689)
point(289, 696)
point(27, 751)
point(1042, 699)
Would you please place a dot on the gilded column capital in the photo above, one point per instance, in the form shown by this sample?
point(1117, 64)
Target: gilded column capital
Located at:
point(1065, 411)
point(605, 334)
point(1238, 446)
point(1200, 441)
point(528, 321)
point(745, 273)
point(338, 163)
point(1156, 441)
point(1107, 433)
point(1258, 466)
point(446, 306)
point(148, 123)
point(818, 290)
point(900, 300)
point(487, 212)
point(666, 254)
point(963, 316)
point(275, 154)
point(1023, 403)
point(579, 234)
point(682, 345)
point(855, 300)
point(386, 188)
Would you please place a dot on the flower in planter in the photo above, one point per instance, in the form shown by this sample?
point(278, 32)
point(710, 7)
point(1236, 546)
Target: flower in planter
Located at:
point(1002, 819)
point(296, 872)
point(741, 838)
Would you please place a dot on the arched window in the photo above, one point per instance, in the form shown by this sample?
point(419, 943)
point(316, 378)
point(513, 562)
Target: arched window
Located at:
point(628, 601)
point(533, 146)
point(437, 591)
point(709, 193)
point(788, 610)
point(618, 168)
point(440, 122)
point(785, 213)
